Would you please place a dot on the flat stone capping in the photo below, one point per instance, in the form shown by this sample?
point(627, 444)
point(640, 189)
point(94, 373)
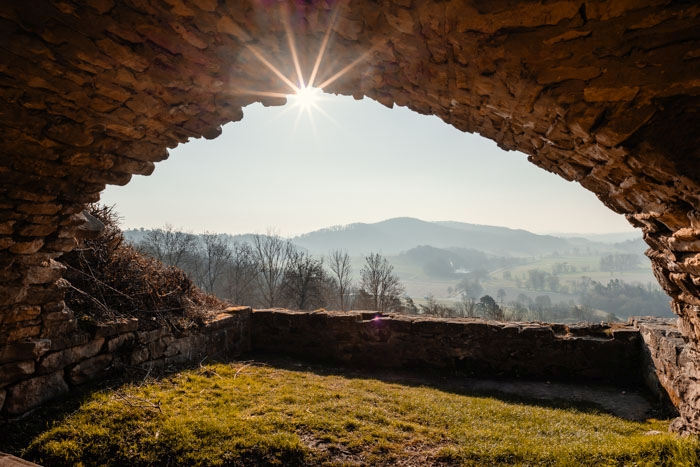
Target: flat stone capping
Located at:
point(7, 460)
point(591, 353)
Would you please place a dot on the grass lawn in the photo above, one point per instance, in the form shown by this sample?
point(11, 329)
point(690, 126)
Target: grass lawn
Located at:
point(287, 414)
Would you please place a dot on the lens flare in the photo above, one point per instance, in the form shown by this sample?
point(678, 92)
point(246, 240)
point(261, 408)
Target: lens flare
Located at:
point(306, 97)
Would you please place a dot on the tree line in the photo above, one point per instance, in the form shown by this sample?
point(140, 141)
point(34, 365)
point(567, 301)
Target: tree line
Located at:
point(269, 271)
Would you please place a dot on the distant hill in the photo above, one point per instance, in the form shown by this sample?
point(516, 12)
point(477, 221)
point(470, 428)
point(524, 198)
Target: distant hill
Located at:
point(394, 236)
point(619, 237)
point(401, 234)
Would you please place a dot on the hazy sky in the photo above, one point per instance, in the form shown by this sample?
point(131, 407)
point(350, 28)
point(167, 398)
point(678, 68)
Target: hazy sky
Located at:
point(356, 161)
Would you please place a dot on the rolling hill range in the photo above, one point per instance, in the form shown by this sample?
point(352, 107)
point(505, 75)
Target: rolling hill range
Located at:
point(393, 236)
point(433, 259)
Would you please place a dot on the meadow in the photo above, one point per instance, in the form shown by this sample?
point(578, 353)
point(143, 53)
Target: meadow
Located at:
point(289, 413)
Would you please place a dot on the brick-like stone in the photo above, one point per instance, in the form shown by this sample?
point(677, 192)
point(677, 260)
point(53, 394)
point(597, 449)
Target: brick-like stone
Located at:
point(89, 369)
point(30, 349)
point(28, 394)
point(121, 342)
point(7, 227)
point(39, 208)
point(114, 328)
point(15, 371)
point(36, 230)
point(21, 313)
point(23, 330)
point(27, 247)
point(61, 359)
point(10, 295)
point(46, 273)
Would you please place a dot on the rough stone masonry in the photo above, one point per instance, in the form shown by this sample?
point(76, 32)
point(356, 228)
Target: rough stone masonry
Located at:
point(604, 93)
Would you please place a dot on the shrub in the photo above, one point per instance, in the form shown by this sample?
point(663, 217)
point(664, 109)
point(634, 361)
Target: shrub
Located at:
point(110, 279)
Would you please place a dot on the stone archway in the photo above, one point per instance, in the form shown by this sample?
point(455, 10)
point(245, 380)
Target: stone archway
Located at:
point(92, 92)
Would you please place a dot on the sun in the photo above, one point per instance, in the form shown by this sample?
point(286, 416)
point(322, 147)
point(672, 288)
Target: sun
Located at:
point(306, 98)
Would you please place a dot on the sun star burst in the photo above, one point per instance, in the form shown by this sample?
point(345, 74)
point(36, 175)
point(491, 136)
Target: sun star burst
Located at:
point(306, 98)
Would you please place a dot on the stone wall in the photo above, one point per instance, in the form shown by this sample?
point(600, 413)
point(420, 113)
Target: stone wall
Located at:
point(92, 92)
point(580, 353)
point(672, 369)
point(35, 370)
point(647, 352)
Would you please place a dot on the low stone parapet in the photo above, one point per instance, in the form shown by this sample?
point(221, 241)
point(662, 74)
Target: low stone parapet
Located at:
point(599, 353)
point(34, 371)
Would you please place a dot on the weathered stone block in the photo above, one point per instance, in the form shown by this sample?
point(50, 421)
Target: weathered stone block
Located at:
point(9, 295)
point(6, 242)
point(39, 208)
point(23, 330)
point(114, 328)
point(6, 227)
point(49, 272)
point(21, 313)
point(178, 346)
point(121, 342)
point(33, 392)
point(63, 358)
point(157, 348)
point(56, 318)
point(61, 341)
point(31, 349)
point(139, 356)
point(89, 369)
point(146, 337)
point(11, 372)
point(37, 230)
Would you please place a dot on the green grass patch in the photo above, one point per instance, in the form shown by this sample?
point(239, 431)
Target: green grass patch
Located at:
point(255, 414)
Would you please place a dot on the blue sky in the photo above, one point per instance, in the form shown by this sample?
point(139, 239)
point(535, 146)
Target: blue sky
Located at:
point(297, 170)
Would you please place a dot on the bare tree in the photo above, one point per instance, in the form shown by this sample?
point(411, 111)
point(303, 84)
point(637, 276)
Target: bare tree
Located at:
point(501, 294)
point(240, 275)
point(467, 307)
point(170, 246)
point(380, 283)
point(215, 255)
point(339, 263)
point(271, 253)
point(432, 307)
point(304, 282)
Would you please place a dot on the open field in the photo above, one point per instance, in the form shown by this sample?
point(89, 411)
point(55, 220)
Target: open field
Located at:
point(513, 280)
point(287, 413)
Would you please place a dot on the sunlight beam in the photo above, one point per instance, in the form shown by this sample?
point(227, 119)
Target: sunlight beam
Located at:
point(347, 68)
point(293, 49)
point(247, 92)
point(322, 50)
point(279, 74)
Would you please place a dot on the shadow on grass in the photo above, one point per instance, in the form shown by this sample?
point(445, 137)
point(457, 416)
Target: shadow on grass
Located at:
point(19, 432)
point(592, 398)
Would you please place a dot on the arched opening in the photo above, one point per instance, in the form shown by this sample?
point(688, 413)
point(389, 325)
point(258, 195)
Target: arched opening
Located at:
point(359, 162)
point(333, 168)
point(602, 94)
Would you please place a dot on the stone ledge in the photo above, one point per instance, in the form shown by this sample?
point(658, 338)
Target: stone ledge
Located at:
point(591, 353)
point(7, 460)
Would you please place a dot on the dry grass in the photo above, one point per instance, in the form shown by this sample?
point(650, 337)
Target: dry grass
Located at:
point(110, 279)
